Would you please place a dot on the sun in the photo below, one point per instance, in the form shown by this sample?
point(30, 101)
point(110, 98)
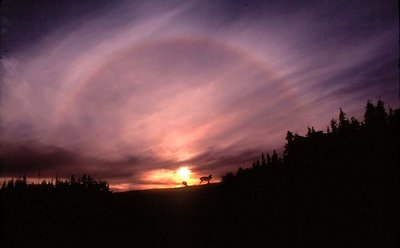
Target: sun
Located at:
point(183, 173)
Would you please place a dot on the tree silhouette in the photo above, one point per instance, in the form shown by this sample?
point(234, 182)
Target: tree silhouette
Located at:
point(263, 161)
point(334, 126)
point(84, 183)
point(268, 160)
point(369, 115)
point(274, 159)
point(350, 171)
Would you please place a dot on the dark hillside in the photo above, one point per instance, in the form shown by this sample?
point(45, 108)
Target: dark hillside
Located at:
point(161, 218)
point(338, 188)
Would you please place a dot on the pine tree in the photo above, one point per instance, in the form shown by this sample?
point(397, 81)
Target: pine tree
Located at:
point(263, 162)
point(369, 115)
point(288, 146)
point(334, 126)
point(354, 124)
point(343, 121)
point(275, 159)
point(381, 115)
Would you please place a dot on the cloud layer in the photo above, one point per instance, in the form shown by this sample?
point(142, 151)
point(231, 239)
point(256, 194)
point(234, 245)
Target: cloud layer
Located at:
point(141, 87)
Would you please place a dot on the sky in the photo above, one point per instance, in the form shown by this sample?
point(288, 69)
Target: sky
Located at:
point(131, 91)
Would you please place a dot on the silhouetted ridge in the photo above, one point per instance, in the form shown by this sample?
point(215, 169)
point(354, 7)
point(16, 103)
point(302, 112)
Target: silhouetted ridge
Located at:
point(348, 146)
point(338, 187)
point(85, 183)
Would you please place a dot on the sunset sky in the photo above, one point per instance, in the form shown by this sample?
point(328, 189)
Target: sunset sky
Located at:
point(131, 91)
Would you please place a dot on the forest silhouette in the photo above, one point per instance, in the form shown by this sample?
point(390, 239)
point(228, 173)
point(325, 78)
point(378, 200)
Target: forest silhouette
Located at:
point(337, 188)
point(333, 188)
point(84, 184)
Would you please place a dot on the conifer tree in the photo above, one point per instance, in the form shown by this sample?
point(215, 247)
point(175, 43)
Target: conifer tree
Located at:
point(369, 115)
point(275, 159)
point(334, 126)
point(268, 159)
point(263, 162)
point(380, 114)
point(343, 121)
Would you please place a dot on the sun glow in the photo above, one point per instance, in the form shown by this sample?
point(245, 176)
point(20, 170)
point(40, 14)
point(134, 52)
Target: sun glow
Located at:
point(184, 173)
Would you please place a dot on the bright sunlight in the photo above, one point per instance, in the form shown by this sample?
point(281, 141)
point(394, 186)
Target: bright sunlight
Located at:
point(184, 173)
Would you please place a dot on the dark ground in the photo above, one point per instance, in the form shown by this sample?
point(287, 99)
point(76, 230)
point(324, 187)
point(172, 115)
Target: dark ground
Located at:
point(212, 215)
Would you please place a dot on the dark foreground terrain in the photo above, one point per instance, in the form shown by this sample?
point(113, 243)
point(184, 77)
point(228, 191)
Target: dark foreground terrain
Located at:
point(212, 215)
point(184, 217)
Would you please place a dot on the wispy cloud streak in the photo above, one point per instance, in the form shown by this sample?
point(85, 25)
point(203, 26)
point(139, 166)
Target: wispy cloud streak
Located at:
point(157, 85)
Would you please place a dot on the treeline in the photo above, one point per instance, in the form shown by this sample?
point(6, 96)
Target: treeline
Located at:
point(52, 213)
point(333, 188)
point(347, 146)
point(85, 183)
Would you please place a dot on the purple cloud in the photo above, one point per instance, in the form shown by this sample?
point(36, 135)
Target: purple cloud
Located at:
point(139, 87)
